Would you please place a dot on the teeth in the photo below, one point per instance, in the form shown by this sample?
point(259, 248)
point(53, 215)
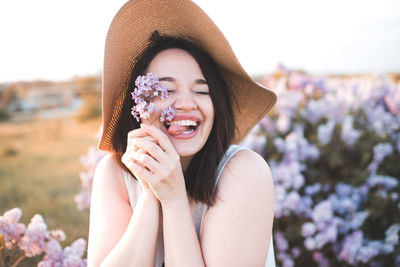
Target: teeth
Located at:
point(188, 131)
point(182, 123)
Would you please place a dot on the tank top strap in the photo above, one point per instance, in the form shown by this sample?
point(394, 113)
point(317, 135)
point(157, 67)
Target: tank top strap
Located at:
point(227, 156)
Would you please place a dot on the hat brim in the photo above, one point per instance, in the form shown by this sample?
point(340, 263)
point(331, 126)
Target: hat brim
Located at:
point(129, 35)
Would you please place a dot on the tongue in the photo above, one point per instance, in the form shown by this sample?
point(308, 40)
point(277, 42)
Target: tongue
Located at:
point(176, 129)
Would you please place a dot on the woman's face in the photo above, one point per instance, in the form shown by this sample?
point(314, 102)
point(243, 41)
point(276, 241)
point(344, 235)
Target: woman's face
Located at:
point(188, 95)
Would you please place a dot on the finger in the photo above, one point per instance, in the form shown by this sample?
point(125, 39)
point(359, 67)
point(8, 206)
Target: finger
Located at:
point(134, 147)
point(151, 148)
point(159, 135)
point(136, 133)
point(146, 160)
point(140, 172)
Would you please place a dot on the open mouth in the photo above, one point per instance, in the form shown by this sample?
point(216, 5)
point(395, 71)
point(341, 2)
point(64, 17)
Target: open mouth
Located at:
point(181, 126)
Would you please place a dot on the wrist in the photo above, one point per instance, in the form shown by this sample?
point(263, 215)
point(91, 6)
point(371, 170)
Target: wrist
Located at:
point(176, 203)
point(149, 197)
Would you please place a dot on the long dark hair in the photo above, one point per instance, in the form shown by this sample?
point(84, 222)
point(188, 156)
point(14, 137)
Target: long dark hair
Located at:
point(200, 175)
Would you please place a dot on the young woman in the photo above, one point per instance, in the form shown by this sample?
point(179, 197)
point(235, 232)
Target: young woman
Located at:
point(176, 191)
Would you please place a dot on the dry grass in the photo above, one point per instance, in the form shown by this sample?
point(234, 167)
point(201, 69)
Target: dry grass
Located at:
point(39, 171)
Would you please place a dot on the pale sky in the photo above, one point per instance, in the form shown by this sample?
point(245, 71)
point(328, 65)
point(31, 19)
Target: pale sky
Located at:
point(59, 39)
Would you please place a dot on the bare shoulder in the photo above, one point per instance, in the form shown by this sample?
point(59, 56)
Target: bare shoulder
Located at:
point(110, 175)
point(248, 170)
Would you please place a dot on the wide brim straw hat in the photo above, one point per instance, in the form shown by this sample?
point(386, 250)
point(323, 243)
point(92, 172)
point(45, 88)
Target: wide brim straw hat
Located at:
point(129, 34)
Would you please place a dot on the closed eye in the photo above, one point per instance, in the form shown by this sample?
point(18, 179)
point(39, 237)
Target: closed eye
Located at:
point(202, 93)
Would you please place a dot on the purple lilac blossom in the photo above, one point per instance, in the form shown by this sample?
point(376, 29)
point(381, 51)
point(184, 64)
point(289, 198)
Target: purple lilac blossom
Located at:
point(349, 135)
point(313, 189)
point(385, 181)
point(146, 90)
point(254, 141)
point(343, 190)
point(308, 229)
point(351, 245)
point(10, 229)
point(281, 242)
point(320, 259)
point(325, 132)
point(381, 151)
point(392, 234)
point(34, 241)
point(167, 114)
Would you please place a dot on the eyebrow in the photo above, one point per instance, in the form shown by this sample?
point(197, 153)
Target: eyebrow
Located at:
point(171, 79)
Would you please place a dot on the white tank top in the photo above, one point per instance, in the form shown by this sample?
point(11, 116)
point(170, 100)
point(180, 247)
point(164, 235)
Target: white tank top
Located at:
point(134, 189)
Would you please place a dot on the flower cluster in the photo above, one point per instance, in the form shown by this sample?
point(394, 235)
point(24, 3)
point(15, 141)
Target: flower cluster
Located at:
point(333, 145)
point(147, 89)
point(36, 240)
point(89, 161)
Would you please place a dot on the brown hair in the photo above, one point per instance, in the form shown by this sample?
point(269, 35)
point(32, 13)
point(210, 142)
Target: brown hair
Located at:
point(200, 175)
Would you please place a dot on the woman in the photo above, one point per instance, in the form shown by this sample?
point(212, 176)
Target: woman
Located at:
point(176, 192)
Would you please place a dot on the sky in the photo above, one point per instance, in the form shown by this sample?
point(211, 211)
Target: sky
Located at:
point(61, 39)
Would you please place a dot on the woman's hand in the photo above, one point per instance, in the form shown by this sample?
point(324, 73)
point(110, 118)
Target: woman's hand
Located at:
point(151, 157)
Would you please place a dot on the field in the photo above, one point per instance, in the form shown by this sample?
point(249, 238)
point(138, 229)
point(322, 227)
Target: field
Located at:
point(39, 171)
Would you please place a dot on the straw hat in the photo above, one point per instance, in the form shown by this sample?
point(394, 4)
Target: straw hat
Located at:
point(129, 35)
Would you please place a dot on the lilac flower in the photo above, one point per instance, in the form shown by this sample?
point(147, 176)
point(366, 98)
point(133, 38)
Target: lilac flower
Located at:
point(392, 234)
point(310, 243)
point(314, 111)
point(387, 182)
point(255, 142)
point(10, 229)
point(292, 201)
point(358, 219)
point(34, 240)
point(146, 90)
point(352, 244)
point(313, 189)
point(320, 259)
point(167, 114)
point(381, 151)
point(58, 235)
point(325, 132)
point(322, 212)
point(366, 253)
point(281, 242)
point(349, 135)
point(308, 229)
point(343, 190)
point(54, 255)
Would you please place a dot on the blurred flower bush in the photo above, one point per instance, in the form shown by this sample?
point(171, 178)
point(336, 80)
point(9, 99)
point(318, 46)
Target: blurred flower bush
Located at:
point(333, 145)
point(18, 242)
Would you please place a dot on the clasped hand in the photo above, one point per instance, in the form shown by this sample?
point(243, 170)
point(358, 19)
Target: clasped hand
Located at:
point(151, 157)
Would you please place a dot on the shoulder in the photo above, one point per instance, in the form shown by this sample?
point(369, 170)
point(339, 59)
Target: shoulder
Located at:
point(109, 175)
point(247, 170)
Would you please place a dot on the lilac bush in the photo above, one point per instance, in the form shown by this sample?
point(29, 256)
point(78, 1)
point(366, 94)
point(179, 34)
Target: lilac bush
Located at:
point(18, 242)
point(333, 145)
point(89, 162)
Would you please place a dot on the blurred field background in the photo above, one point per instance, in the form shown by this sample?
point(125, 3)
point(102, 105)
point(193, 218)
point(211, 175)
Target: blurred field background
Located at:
point(39, 170)
point(43, 134)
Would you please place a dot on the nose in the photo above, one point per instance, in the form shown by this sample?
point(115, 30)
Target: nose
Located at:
point(185, 101)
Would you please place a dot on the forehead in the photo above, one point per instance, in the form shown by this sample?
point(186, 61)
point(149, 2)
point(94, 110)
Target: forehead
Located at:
point(174, 61)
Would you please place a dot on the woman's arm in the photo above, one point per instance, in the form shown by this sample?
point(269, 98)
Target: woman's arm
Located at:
point(181, 244)
point(116, 237)
point(236, 231)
